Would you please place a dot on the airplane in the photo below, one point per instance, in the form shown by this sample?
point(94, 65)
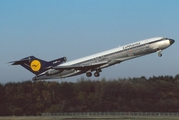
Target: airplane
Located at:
point(59, 68)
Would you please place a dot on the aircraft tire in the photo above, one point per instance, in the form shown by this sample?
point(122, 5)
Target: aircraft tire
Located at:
point(96, 74)
point(88, 74)
point(160, 54)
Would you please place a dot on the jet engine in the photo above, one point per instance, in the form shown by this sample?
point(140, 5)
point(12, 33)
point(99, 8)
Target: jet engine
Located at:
point(52, 72)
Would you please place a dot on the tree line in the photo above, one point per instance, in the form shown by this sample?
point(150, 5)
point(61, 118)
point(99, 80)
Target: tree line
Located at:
point(154, 94)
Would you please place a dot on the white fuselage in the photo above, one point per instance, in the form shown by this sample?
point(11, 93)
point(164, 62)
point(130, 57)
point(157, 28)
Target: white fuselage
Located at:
point(111, 57)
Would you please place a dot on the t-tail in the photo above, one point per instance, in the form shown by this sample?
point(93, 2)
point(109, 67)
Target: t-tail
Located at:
point(36, 65)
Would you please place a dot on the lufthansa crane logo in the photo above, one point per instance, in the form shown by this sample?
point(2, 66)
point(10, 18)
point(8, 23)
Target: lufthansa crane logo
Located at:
point(35, 65)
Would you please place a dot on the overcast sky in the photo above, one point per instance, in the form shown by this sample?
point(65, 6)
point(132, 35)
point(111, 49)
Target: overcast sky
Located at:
point(50, 29)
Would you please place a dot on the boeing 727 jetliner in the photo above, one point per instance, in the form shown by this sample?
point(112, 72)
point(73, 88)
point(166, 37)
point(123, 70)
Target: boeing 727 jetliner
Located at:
point(59, 68)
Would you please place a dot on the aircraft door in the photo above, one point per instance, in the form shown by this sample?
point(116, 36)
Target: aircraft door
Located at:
point(147, 45)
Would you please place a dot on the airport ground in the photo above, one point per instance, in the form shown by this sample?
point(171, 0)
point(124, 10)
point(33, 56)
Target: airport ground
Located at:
point(88, 118)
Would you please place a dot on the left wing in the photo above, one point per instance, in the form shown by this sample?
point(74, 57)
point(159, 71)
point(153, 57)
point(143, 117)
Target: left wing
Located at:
point(81, 67)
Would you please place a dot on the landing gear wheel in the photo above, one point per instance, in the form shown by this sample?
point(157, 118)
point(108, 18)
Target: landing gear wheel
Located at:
point(160, 54)
point(96, 74)
point(88, 74)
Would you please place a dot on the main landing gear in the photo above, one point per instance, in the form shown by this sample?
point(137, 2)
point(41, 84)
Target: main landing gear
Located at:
point(96, 74)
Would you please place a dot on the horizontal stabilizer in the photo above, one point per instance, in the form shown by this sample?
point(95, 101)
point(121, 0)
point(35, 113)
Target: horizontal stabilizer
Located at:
point(18, 62)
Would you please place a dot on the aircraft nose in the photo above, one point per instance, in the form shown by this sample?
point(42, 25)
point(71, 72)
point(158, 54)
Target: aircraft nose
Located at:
point(171, 41)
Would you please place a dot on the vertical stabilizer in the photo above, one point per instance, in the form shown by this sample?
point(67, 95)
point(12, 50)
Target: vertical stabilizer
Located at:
point(36, 65)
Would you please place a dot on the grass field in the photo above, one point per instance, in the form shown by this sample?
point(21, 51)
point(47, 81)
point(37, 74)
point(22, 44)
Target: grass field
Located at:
point(89, 118)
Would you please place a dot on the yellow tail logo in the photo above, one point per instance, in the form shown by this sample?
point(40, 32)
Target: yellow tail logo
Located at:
point(35, 65)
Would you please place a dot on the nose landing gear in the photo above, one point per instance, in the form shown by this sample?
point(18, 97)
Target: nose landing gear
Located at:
point(159, 53)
